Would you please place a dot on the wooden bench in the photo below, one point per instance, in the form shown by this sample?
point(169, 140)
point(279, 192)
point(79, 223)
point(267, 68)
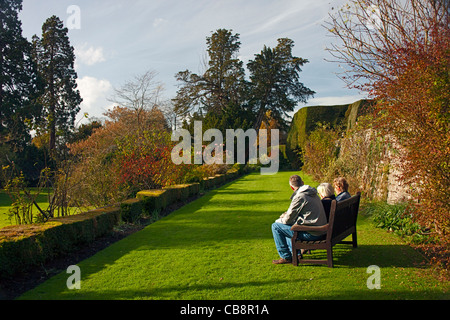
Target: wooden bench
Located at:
point(342, 223)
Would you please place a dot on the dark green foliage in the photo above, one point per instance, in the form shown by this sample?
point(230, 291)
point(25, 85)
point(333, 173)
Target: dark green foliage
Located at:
point(220, 85)
point(131, 210)
point(232, 117)
point(178, 192)
point(19, 83)
point(30, 160)
point(356, 110)
point(397, 219)
point(275, 82)
point(84, 131)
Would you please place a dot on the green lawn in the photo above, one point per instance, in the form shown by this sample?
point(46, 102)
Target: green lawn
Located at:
point(220, 247)
point(4, 204)
point(41, 200)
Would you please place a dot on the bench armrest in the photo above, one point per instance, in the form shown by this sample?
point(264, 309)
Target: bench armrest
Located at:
point(303, 228)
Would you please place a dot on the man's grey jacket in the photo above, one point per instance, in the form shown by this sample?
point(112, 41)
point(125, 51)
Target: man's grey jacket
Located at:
point(306, 209)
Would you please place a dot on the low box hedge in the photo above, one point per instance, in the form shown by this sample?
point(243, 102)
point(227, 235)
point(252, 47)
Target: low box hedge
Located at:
point(194, 189)
point(180, 192)
point(209, 183)
point(220, 179)
point(154, 200)
point(25, 246)
point(159, 199)
point(131, 210)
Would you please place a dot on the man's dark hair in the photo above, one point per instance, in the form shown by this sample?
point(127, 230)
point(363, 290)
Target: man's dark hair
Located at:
point(296, 181)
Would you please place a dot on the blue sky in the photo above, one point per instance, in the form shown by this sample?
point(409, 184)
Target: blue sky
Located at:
point(115, 40)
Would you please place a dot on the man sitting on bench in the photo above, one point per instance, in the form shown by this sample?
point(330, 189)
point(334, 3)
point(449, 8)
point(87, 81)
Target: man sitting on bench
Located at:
point(306, 209)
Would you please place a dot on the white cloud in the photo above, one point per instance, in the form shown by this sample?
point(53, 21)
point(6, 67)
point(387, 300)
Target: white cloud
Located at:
point(89, 55)
point(93, 91)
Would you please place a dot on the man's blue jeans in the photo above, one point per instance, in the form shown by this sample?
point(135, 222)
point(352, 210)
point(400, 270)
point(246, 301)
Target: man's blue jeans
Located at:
point(282, 235)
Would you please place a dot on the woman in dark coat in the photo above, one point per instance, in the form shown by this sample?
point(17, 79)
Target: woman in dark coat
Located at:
point(326, 193)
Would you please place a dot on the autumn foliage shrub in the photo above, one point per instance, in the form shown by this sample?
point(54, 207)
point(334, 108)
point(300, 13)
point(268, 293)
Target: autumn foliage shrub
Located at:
point(399, 53)
point(414, 107)
point(129, 153)
point(144, 162)
point(321, 151)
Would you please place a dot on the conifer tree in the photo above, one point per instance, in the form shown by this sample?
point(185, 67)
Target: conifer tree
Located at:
point(274, 82)
point(60, 99)
point(221, 85)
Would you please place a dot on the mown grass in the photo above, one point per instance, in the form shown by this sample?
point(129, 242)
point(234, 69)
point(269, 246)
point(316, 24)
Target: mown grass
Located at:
point(41, 200)
point(220, 247)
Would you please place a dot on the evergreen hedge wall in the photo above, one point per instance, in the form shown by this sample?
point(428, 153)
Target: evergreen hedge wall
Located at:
point(306, 120)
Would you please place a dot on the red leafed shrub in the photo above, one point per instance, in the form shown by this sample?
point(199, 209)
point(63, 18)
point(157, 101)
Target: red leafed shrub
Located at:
point(144, 162)
point(414, 105)
point(399, 52)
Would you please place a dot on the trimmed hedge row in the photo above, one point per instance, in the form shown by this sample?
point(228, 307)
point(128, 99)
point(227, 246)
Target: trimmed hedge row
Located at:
point(160, 199)
point(23, 247)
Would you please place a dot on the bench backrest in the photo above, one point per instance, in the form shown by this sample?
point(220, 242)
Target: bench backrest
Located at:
point(343, 216)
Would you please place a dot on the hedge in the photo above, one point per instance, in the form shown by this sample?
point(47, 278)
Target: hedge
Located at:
point(306, 119)
point(131, 210)
point(26, 246)
point(154, 200)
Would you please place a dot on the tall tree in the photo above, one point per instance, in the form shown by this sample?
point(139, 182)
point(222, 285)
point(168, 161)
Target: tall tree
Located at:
point(18, 78)
point(221, 84)
point(275, 84)
point(55, 59)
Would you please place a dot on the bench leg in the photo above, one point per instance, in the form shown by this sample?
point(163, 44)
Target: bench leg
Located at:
point(294, 257)
point(355, 240)
point(330, 257)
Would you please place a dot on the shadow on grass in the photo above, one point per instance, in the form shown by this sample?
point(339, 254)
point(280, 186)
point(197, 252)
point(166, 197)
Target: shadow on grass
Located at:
point(383, 256)
point(218, 290)
point(205, 291)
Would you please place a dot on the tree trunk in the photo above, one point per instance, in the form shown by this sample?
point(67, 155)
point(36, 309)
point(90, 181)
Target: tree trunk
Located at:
point(52, 107)
point(259, 119)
